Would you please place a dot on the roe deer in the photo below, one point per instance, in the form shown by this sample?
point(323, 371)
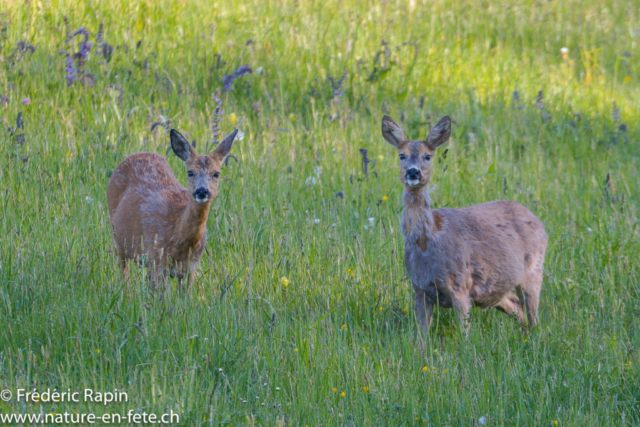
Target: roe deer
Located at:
point(154, 216)
point(459, 258)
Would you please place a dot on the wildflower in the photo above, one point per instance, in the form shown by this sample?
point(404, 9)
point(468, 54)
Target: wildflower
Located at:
point(316, 221)
point(277, 388)
point(88, 199)
point(385, 198)
point(217, 115)
point(445, 371)
point(380, 157)
point(343, 327)
point(482, 420)
point(380, 308)
point(311, 180)
point(372, 221)
point(260, 71)
point(247, 268)
point(98, 351)
point(26, 101)
point(365, 388)
point(71, 72)
point(343, 394)
point(228, 79)
point(335, 390)
point(627, 79)
point(526, 340)
point(350, 271)
point(233, 118)
point(425, 369)
point(292, 117)
point(284, 281)
point(555, 423)
point(405, 310)
point(564, 52)
point(295, 349)
point(220, 370)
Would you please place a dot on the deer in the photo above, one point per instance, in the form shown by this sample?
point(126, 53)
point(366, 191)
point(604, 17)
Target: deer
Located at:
point(486, 255)
point(155, 219)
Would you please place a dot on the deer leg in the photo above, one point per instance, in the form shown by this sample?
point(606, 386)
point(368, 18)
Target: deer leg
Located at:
point(462, 306)
point(125, 269)
point(510, 305)
point(424, 312)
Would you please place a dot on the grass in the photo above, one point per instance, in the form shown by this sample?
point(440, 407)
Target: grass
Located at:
point(302, 311)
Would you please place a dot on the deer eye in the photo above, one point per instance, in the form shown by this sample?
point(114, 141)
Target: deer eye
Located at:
point(427, 157)
point(402, 157)
point(190, 174)
point(216, 175)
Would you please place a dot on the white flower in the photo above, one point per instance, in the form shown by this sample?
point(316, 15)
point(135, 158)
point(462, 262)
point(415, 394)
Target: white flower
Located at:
point(564, 51)
point(220, 370)
point(317, 170)
point(260, 71)
point(311, 180)
point(316, 221)
point(277, 388)
point(240, 136)
point(88, 199)
point(372, 221)
point(482, 420)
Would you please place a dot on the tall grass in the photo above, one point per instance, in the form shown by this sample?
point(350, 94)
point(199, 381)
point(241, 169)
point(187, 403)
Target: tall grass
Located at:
point(302, 310)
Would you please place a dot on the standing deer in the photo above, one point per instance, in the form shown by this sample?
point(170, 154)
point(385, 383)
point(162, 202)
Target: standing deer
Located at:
point(464, 257)
point(155, 217)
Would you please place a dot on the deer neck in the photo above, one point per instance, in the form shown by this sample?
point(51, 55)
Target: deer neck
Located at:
point(193, 223)
point(418, 217)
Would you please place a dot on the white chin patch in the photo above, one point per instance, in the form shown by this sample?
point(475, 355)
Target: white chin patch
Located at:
point(413, 182)
point(202, 200)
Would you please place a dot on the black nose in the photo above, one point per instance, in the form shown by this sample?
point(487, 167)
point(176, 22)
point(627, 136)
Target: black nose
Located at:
point(414, 173)
point(201, 193)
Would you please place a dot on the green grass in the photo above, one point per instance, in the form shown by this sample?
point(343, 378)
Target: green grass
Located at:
point(345, 321)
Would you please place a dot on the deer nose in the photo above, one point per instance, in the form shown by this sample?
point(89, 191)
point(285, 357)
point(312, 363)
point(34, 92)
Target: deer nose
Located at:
point(202, 193)
point(414, 173)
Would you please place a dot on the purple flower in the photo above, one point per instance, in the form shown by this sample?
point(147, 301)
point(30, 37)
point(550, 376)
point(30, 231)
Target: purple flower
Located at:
point(71, 72)
point(228, 79)
point(26, 101)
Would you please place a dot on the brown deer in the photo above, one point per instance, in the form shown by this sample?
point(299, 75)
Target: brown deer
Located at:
point(488, 255)
point(154, 217)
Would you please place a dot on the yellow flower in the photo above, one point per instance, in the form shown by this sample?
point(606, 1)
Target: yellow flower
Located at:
point(68, 153)
point(425, 369)
point(247, 269)
point(365, 388)
point(380, 308)
point(284, 281)
point(295, 349)
point(405, 311)
point(526, 340)
point(627, 79)
point(164, 103)
point(350, 271)
point(233, 118)
point(555, 423)
point(445, 371)
point(380, 157)
point(335, 390)
point(292, 117)
point(98, 351)
point(343, 394)
point(343, 327)
point(385, 198)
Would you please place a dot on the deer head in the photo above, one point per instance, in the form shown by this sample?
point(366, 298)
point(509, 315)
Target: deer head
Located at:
point(415, 156)
point(203, 171)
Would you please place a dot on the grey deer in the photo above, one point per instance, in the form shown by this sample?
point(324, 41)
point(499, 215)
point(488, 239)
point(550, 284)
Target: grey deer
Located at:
point(487, 255)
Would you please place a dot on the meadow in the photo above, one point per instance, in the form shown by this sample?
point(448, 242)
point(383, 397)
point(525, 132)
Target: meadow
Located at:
point(302, 312)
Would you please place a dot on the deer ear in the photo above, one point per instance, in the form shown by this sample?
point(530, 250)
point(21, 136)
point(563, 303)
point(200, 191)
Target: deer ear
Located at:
point(181, 146)
point(392, 132)
point(439, 134)
point(224, 148)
